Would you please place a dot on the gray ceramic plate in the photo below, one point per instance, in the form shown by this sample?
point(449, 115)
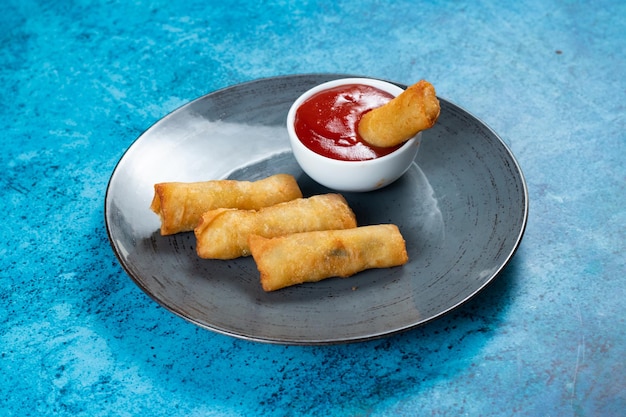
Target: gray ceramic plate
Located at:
point(462, 209)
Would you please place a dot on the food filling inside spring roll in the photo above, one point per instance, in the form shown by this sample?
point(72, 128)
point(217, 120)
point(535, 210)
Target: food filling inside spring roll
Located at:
point(179, 205)
point(314, 256)
point(223, 233)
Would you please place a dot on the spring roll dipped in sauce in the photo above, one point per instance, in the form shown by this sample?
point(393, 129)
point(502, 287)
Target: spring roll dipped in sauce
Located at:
point(179, 205)
point(223, 233)
point(313, 256)
point(414, 110)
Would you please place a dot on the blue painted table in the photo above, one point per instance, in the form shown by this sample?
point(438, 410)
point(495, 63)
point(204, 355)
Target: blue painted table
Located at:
point(80, 80)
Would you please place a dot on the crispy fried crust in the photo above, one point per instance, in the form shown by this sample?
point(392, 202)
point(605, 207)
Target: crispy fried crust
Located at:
point(414, 110)
point(223, 233)
point(179, 205)
point(314, 256)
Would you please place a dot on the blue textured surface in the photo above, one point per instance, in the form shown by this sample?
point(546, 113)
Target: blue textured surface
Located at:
point(80, 80)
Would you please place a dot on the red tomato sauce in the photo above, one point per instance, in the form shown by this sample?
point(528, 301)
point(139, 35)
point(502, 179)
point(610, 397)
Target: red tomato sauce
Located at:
point(327, 122)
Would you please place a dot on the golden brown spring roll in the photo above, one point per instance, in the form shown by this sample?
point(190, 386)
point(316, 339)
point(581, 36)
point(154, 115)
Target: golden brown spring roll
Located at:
point(314, 256)
point(414, 110)
point(223, 233)
point(180, 204)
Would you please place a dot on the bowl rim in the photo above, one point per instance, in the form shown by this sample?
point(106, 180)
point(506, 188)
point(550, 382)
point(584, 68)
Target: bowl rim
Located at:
point(374, 82)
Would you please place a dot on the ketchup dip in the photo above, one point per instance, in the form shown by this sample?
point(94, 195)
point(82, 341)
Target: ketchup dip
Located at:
point(327, 122)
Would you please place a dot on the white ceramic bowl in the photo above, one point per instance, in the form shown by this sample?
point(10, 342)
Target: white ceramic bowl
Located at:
point(355, 176)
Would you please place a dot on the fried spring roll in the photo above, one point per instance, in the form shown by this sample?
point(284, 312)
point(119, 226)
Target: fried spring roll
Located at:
point(223, 233)
point(314, 256)
point(180, 205)
point(414, 110)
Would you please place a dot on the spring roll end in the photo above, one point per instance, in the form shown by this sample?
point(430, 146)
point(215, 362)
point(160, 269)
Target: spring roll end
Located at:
point(216, 245)
point(159, 207)
point(155, 205)
point(414, 110)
